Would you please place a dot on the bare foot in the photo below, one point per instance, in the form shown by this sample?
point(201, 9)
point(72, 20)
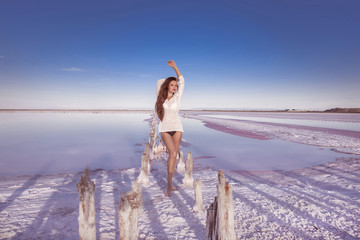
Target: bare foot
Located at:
point(174, 189)
point(168, 194)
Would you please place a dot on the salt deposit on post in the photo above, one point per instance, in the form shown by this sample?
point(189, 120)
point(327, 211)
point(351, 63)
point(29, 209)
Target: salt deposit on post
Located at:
point(181, 164)
point(136, 187)
point(152, 138)
point(188, 179)
point(145, 169)
point(147, 149)
point(226, 226)
point(160, 148)
point(129, 211)
point(198, 196)
point(220, 218)
point(86, 189)
point(211, 220)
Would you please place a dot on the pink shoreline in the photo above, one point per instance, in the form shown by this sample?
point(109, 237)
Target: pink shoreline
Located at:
point(219, 127)
point(346, 133)
point(237, 132)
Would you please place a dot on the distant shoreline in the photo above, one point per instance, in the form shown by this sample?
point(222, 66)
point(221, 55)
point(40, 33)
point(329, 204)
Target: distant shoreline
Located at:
point(74, 110)
point(333, 110)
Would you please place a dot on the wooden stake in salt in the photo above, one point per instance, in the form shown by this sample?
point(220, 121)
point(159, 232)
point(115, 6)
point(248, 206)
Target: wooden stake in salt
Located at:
point(181, 164)
point(136, 187)
point(147, 149)
point(129, 210)
point(221, 224)
point(86, 189)
point(198, 196)
point(145, 169)
point(161, 147)
point(211, 220)
point(188, 178)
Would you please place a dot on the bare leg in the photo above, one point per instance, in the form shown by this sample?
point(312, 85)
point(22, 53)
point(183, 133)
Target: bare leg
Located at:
point(169, 143)
point(177, 139)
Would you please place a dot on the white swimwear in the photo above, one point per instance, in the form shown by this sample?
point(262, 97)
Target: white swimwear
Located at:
point(171, 120)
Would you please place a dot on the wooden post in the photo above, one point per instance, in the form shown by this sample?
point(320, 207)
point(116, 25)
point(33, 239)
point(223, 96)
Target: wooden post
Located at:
point(181, 164)
point(151, 137)
point(145, 169)
point(129, 210)
point(221, 224)
point(86, 189)
point(154, 121)
point(198, 196)
point(211, 220)
point(147, 149)
point(154, 148)
point(161, 147)
point(136, 187)
point(188, 178)
point(221, 177)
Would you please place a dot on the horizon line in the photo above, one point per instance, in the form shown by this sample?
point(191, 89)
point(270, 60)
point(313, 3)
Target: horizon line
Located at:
point(192, 109)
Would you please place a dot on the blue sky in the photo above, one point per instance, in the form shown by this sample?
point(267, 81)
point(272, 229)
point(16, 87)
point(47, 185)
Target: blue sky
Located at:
point(233, 54)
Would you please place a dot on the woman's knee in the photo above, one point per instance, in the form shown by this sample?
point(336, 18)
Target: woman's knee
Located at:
point(173, 154)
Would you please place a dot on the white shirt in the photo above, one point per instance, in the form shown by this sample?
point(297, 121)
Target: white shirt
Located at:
point(171, 120)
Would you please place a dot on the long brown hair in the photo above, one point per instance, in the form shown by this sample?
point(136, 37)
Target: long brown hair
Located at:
point(161, 97)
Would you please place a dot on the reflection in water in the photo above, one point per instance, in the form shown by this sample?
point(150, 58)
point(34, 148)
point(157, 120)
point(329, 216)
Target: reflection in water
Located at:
point(68, 142)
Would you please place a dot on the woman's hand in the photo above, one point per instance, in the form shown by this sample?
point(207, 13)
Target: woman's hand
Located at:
point(171, 63)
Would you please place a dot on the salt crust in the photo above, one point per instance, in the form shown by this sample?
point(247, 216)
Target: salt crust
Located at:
point(319, 202)
point(315, 136)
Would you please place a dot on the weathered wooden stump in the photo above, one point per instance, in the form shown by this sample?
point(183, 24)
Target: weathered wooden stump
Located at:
point(221, 223)
point(136, 187)
point(188, 178)
point(160, 147)
point(211, 220)
point(181, 164)
point(145, 169)
point(198, 196)
point(86, 189)
point(129, 211)
point(147, 149)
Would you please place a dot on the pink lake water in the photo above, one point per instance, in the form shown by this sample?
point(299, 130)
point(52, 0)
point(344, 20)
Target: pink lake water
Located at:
point(54, 142)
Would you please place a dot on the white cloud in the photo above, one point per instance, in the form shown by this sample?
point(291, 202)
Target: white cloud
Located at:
point(73, 69)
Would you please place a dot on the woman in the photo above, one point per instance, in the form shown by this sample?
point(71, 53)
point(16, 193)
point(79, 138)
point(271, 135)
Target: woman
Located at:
point(170, 127)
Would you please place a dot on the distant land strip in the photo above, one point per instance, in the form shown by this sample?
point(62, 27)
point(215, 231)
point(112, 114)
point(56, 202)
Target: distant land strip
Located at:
point(332, 110)
point(75, 110)
point(344, 110)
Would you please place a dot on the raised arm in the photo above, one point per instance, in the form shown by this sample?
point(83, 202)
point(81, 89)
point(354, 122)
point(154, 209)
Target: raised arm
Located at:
point(158, 86)
point(172, 64)
point(180, 91)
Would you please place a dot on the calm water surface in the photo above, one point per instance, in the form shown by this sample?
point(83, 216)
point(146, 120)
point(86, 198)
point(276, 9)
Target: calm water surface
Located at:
point(51, 142)
point(226, 151)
